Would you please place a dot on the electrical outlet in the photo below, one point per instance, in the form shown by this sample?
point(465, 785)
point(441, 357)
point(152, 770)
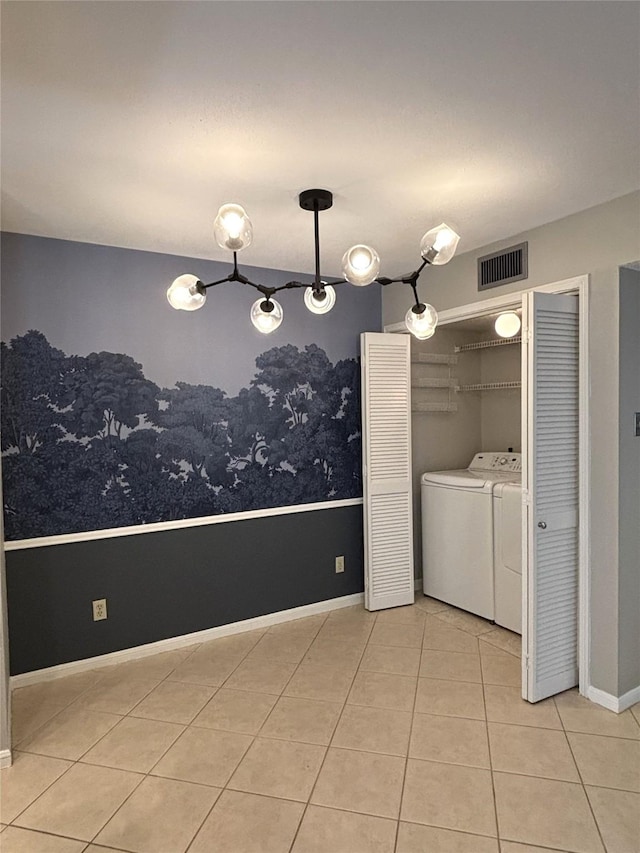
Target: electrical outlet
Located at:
point(339, 565)
point(99, 609)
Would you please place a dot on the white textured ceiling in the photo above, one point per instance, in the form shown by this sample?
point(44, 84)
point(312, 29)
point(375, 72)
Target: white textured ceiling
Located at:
point(129, 123)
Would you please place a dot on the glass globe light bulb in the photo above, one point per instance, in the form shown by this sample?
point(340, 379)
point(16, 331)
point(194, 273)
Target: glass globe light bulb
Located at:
point(187, 293)
point(232, 228)
point(439, 245)
point(508, 324)
point(422, 324)
point(320, 305)
point(266, 315)
point(360, 265)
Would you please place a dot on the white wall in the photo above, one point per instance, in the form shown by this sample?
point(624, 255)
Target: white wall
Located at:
point(629, 486)
point(595, 241)
point(441, 440)
point(487, 420)
point(500, 411)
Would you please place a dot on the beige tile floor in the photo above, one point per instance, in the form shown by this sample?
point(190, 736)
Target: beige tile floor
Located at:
point(352, 732)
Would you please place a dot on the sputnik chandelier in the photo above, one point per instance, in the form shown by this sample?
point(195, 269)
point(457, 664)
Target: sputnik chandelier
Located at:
point(360, 266)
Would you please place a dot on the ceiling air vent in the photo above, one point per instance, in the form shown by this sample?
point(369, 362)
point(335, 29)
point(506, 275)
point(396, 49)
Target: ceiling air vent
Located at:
point(503, 267)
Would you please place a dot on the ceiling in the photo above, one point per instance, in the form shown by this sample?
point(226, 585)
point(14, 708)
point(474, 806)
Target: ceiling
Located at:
point(129, 123)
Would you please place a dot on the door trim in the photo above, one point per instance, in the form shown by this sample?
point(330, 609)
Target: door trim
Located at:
point(580, 286)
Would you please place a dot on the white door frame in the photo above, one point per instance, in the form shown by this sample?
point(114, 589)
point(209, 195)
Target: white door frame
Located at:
point(578, 285)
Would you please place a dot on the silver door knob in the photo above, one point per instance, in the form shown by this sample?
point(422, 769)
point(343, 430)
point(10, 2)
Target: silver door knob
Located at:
point(542, 525)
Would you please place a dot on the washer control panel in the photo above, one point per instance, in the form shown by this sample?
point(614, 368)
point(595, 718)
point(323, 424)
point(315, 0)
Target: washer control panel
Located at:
point(507, 462)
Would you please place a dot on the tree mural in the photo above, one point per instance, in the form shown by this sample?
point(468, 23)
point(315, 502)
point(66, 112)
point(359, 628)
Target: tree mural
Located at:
point(88, 442)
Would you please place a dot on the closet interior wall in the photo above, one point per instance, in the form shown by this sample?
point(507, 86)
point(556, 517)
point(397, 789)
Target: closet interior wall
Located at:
point(484, 420)
point(500, 411)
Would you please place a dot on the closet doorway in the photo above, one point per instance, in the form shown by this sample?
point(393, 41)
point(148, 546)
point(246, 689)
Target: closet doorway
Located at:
point(554, 441)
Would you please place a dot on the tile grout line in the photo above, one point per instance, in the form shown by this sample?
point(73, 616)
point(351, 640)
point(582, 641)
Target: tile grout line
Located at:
point(54, 716)
point(122, 717)
point(12, 822)
point(584, 790)
point(413, 717)
point(146, 774)
point(99, 682)
point(298, 665)
point(74, 762)
point(367, 645)
point(253, 739)
point(328, 747)
point(486, 728)
point(164, 679)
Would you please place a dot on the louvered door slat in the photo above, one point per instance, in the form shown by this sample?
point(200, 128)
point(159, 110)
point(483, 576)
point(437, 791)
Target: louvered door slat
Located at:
point(550, 475)
point(386, 447)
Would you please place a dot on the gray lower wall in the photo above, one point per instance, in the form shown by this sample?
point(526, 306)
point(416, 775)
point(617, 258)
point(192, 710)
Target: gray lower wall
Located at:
point(167, 584)
point(629, 485)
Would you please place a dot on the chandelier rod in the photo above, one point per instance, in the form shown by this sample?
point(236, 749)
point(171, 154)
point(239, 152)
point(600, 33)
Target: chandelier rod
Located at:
point(317, 285)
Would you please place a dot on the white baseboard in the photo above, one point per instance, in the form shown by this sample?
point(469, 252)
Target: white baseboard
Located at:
point(172, 643)
point(614, 703)
point(5, 758)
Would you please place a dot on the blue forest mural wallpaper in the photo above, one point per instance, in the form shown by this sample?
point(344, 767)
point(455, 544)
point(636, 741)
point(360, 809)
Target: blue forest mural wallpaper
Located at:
point(89, 442)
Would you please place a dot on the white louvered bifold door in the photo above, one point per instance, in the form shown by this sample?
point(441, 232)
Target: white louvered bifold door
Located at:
point(550, 483)
point(386, 463)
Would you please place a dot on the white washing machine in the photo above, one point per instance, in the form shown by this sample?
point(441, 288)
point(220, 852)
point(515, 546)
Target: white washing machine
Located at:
point(507, 555)
point(457, 531)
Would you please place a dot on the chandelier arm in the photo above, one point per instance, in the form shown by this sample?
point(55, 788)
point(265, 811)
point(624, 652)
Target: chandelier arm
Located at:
point(290, 285)
point(214, 283)
point(424, 263)
point(231, 277)
point(418, 304)
point(236, 275)
point(411, 278)
point(267, 292)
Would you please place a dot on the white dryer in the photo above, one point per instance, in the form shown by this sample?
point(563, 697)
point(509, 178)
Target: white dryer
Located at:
point(507, 555)
point(457, 531)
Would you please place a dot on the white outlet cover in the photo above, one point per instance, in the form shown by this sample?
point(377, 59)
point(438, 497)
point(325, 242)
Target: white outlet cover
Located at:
point(99, 609)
